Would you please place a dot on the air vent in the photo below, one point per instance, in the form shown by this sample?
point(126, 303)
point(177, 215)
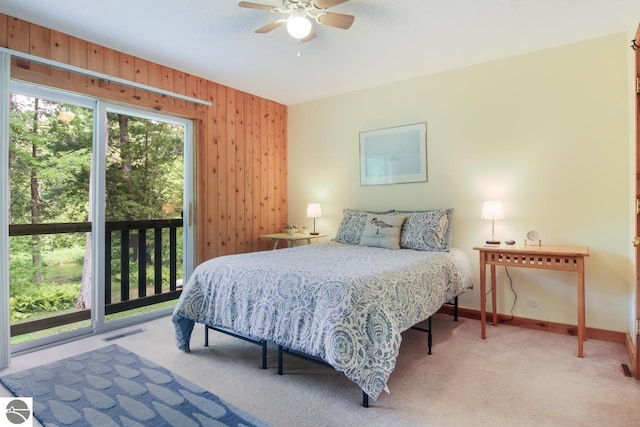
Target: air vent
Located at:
point(124, 334)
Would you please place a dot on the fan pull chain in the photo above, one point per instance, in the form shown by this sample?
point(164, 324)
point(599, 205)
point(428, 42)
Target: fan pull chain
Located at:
point(299, 46)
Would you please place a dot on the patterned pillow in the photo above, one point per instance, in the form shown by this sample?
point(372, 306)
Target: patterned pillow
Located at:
point(352, 225)
point(427, 230)
point(382, 231)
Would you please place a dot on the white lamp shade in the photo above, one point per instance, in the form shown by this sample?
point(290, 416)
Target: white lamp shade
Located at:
point(492, 210)
point(299, 27)
point(313, 210)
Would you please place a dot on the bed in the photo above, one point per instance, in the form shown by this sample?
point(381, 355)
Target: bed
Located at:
point(343, 303)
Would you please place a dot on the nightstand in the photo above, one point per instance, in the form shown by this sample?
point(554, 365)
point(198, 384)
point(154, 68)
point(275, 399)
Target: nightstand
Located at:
point(291, 239)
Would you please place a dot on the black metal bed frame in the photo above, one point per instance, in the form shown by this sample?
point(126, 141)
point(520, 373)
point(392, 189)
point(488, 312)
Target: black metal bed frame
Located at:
point(261, 343)
point(300, 355)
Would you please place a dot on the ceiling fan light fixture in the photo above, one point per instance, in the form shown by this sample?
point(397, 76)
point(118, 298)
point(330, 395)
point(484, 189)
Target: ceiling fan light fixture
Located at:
point(298, 27)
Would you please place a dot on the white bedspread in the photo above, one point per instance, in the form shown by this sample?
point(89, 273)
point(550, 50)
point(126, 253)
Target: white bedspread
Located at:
point(346, 304)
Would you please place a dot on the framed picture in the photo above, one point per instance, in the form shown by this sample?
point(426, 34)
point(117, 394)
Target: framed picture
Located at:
point(394, 155)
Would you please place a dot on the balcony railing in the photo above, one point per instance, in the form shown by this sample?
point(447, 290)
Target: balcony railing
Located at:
point(133, 235)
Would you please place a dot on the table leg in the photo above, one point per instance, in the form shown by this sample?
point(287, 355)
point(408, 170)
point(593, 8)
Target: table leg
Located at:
point(275, 244)
point(581, 308)
point(494, 297)
point(483, 296)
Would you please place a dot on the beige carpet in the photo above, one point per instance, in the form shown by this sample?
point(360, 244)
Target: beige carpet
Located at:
point(517, 377)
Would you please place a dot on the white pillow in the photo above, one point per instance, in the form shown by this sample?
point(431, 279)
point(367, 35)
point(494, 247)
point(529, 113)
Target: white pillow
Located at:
point(382, 231)
point(352, 225)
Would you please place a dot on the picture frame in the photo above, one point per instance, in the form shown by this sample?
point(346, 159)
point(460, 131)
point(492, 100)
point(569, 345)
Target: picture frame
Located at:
point(394, 155)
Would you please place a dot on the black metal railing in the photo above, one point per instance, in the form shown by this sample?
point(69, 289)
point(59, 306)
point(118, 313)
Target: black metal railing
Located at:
point(133, 238)
point(139, 243)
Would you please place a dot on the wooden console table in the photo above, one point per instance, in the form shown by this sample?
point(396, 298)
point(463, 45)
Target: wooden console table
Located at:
point(563, 258)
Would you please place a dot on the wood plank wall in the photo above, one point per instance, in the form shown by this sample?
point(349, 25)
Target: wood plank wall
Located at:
point(241, 140)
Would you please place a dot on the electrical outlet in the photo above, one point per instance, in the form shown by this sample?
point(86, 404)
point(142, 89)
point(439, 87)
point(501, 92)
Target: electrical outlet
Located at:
point(532, 302)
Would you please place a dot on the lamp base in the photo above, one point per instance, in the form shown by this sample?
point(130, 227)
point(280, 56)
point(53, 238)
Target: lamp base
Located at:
point(492, 242)
point(314, 234)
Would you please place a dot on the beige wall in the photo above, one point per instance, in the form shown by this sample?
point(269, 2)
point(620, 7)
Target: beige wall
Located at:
point(547, 133)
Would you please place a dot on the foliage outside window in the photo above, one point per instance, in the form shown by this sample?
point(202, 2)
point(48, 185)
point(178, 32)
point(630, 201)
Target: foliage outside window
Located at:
point(50, 179)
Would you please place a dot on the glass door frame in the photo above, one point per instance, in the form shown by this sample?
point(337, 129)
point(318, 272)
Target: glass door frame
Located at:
point(97, 219)
point(99, 228)
point(54, 95)
point(5, 318)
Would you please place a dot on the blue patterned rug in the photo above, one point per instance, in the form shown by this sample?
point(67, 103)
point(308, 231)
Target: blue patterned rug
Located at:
point(113, 387)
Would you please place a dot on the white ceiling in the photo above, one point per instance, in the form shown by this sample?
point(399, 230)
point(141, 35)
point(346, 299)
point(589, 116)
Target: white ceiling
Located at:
point(390, 40)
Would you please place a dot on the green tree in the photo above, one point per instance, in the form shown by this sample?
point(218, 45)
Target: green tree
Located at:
point(48, 179)
point(144, 169)
point(50, 173)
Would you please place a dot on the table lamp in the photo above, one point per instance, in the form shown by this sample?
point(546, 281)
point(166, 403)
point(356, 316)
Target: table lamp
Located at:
point(492, 210)
point(314, 211)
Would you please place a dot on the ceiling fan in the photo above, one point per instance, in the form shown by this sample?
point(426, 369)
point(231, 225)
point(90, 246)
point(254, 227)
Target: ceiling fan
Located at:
point(300, 14)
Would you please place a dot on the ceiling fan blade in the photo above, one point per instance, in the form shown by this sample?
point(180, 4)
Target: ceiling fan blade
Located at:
point(259, 6)
point(326, 4)
point(338, 20)
point(271, 26)
point(312, 35)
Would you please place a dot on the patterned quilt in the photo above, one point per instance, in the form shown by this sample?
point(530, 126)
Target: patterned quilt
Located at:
point(346, 304)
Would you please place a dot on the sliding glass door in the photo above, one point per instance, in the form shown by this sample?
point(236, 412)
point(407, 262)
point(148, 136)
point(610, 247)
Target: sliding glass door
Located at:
point(99, 207)
point(144, 210)
point(50, 157)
